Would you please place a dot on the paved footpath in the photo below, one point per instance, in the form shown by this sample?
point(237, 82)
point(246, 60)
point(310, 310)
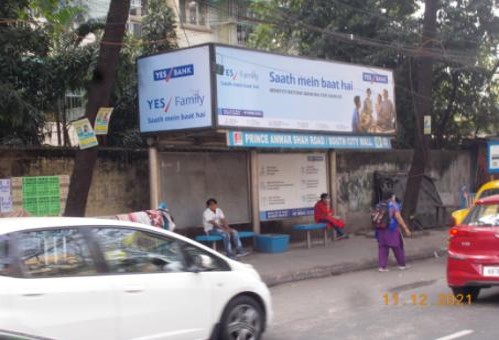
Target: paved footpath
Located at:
point(342, 256)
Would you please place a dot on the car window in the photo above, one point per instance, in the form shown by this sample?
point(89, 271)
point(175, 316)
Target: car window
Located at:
point(489, 192)
point(483, 215)
point(191, 251)
point(57, 252)
point(134, 251)
point(4, 256)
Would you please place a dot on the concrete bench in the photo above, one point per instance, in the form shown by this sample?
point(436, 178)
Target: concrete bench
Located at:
point(214, 238)
point(309, 227)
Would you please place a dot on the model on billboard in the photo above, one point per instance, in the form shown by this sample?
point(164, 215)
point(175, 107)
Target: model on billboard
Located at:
point(379, 120)
point(356, 114)
point(386, 120)
point(377, 107)
point(366, 116)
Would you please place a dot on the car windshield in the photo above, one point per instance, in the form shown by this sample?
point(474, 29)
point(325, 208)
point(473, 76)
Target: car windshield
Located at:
point(490, 192)
point(486, 215)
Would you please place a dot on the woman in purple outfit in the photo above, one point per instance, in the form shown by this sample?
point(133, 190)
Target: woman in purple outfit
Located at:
point(391, 236)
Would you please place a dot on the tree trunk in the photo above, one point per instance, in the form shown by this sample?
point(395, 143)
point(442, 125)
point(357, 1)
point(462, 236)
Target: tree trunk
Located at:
point(99, 95)
point(423, 105)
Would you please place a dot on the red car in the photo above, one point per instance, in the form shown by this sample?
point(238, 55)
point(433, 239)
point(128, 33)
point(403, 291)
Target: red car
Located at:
point(473, 251)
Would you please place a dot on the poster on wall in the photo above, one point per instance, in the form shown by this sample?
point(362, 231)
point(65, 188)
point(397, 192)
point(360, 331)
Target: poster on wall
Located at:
point(175, 90)
point(41, 195)
point(290, 184)
point(85, 133)
point(262, 90)
point(5, 196)
point(102, 120)
point(493, 156)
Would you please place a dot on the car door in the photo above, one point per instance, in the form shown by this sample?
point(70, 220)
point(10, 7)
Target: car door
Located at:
point(60, 293)
point(158, 297)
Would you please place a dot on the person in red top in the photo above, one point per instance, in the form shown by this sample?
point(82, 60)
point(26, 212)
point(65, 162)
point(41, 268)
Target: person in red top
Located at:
point(324, 214)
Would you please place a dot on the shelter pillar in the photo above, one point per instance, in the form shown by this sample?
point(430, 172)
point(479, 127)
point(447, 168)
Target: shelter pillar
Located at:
point(254, 185)
point(333, 189)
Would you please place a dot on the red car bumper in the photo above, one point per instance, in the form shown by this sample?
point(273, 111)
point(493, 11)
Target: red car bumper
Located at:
point(462, 271)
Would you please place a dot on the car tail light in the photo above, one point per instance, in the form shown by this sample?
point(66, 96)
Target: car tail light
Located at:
point(456, 232)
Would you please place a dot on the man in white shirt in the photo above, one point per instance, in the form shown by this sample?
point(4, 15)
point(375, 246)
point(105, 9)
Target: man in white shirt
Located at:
point(214, 223)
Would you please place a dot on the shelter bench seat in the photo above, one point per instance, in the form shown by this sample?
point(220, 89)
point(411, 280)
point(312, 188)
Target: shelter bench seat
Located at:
point(214, 238)
point(309, 227)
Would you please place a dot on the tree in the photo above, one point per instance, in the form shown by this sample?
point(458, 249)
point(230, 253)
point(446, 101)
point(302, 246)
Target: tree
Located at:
point(423, 104)
point(22, 75)
point(119, 90)
point(386, 33)
point(99, 95)
point(158, 35)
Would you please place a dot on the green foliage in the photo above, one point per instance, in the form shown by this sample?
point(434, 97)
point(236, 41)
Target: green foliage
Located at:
point(42, 62)
point(158, 35)
point(386, 33)
point(158, 28)
point(22, 75)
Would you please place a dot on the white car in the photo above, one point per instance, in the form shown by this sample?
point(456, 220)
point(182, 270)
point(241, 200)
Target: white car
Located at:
point(82, 278)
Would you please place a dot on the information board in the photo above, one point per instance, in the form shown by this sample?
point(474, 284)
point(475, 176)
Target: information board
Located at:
point(493, 156)
point(290, 184)
point(5, 196)
point(41, 195)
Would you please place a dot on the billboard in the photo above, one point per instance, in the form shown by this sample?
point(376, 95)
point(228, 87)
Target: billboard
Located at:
point(268, 91)
point(290, 184)
point(175, 90)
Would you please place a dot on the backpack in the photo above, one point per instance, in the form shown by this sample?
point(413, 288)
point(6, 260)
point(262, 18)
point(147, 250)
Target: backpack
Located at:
point(380, 216)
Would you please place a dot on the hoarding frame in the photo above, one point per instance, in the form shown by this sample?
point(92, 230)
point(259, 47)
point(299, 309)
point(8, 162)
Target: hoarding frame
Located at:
point(230, 127)
point(214, 96)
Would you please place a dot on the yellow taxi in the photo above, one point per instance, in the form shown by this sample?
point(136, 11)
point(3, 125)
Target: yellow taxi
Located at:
point(486, 190)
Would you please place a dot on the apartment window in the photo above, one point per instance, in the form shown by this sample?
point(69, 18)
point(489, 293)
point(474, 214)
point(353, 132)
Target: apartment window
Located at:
point(194, 12)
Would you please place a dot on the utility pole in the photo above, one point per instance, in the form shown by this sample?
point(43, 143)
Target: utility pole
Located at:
point(423, 106)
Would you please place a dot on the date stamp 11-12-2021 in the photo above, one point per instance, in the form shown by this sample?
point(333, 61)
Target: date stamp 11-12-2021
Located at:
point(425, 300)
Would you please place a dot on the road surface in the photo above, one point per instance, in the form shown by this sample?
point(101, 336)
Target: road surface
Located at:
point(412, 304)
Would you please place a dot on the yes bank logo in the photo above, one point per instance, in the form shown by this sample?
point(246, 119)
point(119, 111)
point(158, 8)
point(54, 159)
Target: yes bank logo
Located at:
point(375, 78)
point(177, 101)
point(173, 72)
point(234, 74)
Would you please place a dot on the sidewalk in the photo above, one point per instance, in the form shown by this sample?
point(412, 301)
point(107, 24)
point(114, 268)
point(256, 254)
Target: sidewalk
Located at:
point(343, 256)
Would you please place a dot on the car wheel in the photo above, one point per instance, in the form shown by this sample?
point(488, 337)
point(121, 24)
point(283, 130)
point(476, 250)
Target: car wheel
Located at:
point(242, 320)
point(465, 291)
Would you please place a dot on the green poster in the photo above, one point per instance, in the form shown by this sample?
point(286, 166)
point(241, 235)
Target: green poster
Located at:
point(42, 195)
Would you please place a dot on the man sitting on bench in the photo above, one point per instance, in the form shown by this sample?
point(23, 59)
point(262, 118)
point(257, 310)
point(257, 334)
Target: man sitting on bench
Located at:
point(324, 214)
point(215, 224)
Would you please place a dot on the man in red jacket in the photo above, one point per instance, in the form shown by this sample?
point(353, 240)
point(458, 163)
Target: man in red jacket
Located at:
point(324, 214)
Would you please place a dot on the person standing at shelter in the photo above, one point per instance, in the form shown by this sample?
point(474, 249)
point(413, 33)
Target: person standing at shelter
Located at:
point(390, 237)
point(324, 214)
point(214, 223)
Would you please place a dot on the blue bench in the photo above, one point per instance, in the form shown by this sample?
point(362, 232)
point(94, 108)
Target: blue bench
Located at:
point(309, 227)
point(209, 238)
point(215, 238)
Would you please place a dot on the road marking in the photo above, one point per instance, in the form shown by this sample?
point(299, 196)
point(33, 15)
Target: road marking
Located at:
point(456, 335)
